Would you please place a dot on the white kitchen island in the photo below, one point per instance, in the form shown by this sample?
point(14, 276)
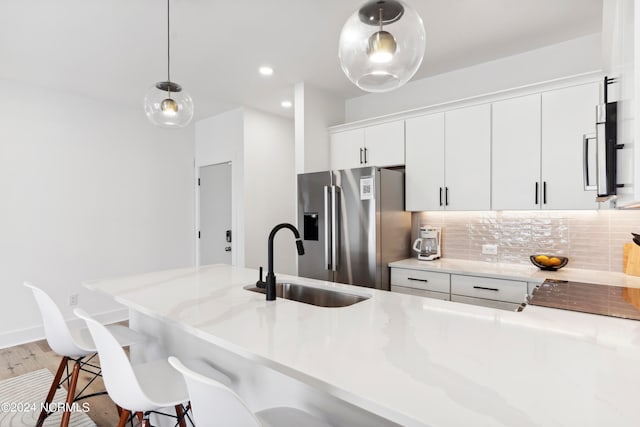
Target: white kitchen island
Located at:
point(393, 358)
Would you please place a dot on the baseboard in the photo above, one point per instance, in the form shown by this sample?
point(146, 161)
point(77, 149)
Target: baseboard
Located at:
point(36, 333)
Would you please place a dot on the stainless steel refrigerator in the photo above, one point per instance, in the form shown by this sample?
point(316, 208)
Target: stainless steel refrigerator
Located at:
point(353, 224)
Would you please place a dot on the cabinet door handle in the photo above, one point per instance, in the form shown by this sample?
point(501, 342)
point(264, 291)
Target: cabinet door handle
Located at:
point(544, 192)
point(361, 155)
point(537, 192)
point(446, 196)
point(365, 155)
point(440, 196)
point(417, 280)
point(486, 289)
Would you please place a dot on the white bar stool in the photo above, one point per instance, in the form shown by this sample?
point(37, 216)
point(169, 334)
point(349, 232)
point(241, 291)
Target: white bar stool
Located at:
point(74, 345)
point(142, 388)
point(230, 410)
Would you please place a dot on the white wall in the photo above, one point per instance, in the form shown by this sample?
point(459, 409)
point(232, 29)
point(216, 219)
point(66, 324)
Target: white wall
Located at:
point(261, 149)
point(315, 111)
point(87, 190)
point(572, 57)
point(220, 139)
point(269, 189)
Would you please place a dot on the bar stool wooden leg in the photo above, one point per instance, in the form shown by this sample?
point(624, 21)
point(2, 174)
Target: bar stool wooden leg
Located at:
point(52, 391)
point(124, 417)
point(180, 414)
point(145, 421)
point(70, 395)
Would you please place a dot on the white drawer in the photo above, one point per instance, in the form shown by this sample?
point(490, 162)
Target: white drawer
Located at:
point(509, 306)
point(493, 289)
point(420, 293)
point(418, 279)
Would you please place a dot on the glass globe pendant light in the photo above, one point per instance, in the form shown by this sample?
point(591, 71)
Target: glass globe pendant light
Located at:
point(382, 45)
point(166, 103)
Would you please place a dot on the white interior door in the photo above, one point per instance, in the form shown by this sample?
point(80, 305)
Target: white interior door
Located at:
point(215, 214)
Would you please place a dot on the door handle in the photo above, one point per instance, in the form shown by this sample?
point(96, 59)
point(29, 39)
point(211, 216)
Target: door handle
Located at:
point(440, 196)
point(365, 155)
point(361, 150)
point(446, 196)
point(227, 249)
point(537, 185)
point(327, 225)
point(544, 192)
point(335, 226)
point(601, 160)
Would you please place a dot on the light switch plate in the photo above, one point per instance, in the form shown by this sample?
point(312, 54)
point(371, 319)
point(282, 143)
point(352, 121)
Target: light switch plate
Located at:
point(490, 249)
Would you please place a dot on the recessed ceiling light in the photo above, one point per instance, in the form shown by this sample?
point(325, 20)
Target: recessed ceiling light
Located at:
point(266, 71)
point(286, 104)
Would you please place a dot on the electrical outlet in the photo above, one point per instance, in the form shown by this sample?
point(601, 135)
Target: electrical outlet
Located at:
point(490, 249)
point(73, 299)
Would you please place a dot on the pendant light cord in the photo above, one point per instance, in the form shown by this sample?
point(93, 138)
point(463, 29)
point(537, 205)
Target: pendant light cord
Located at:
point(168, 48)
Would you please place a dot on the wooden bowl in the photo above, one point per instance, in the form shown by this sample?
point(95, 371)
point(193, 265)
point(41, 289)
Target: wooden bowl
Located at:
point(549, 267)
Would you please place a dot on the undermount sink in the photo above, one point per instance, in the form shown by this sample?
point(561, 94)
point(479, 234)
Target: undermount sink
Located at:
point(310, 295)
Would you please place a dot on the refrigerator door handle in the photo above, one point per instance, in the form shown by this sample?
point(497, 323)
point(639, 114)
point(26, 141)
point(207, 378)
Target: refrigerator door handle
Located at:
point(327, 234)
point(601, 158)
point(335, 226)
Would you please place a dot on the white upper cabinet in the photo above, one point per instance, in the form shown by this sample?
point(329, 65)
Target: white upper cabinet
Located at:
point(424, 172)
point(567, 115)
point(347, 149)
point(467, 158)
point(378, 145)
point(521, 153)
point(449, 160)
point(515, 168)
point(384, 144)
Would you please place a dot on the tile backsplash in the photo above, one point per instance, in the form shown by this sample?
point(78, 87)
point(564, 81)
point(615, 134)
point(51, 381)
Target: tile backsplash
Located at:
point(591, 239)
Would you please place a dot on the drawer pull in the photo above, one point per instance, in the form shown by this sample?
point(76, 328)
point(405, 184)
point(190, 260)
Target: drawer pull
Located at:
point(417, 280)
point(486, 289)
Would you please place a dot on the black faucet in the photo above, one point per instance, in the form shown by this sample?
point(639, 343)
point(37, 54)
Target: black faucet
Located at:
point(271, 277)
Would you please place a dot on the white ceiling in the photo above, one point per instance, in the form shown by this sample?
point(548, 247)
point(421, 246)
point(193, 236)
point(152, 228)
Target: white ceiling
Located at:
point(116, 49)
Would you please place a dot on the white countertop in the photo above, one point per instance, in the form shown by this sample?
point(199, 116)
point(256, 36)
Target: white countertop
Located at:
point(413, 360)
point(529, 273)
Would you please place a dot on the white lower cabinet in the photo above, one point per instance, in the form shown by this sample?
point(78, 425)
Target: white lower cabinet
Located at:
point(513, 291)
point(428, 284)
point(485, 291)
point(509, 306)
point(421, 293)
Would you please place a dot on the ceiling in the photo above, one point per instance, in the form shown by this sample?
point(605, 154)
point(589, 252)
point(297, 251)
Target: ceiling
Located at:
point(116, 49)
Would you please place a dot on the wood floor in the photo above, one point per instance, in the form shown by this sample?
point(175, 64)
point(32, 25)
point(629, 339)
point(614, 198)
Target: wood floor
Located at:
point(37, 355)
